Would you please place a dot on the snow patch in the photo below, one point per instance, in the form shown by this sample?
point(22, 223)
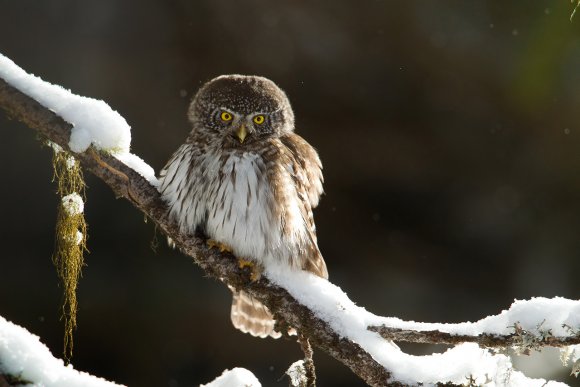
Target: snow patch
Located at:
point(234, 378)
point(297, 374)
point(23, 355)
point(78, 237)
point(138, 165)
point(537, 315)
point(571, 354)
point(94, 122)
point(73, 204)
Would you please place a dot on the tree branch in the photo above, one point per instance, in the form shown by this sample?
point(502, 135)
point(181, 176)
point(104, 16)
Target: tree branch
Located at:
point(520, 338)
point(308, 361)
point(128, 184)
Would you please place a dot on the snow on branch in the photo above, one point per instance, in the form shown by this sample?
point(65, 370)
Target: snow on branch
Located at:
point(528, 324)
point(235, 377)
point(93, 122)
point(25, 360)
point(319, 310)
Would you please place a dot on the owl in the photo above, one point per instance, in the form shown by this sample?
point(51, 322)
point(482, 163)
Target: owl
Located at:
point(245, 180)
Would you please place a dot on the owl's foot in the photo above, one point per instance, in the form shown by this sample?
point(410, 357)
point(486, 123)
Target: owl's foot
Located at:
point(218, 245)
point(256, 271)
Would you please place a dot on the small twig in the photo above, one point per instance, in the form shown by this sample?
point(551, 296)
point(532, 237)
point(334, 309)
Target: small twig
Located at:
point(483, 340)
point(308, 360)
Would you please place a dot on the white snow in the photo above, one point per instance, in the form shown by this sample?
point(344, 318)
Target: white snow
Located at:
point(94, 122)
point(237, 377)
point(73, 204)
point(138, 165)
point(297, 373)
point(536, 315)
point(70, 161)
point(22, 354)
point(455, 365)
point(78, 237)
point(571, 355)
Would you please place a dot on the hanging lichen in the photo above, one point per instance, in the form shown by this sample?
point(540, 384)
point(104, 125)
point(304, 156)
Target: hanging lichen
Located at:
point(71, 236)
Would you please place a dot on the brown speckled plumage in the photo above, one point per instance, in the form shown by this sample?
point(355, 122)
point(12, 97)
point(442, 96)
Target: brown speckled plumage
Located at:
point(253, 193)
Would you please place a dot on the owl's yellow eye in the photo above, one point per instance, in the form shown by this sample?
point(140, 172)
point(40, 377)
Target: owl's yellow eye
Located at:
point(225, 116)
point(259, 119)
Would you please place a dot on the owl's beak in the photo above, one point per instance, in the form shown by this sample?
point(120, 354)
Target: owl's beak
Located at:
point(242, 132)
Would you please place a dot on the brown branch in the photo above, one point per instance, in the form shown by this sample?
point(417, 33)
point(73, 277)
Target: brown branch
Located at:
point(308, 361)
point(128, 184)
point(519, 338)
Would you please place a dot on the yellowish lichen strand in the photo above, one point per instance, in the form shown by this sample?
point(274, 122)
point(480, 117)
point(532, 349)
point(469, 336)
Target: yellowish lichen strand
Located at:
point(70, 238)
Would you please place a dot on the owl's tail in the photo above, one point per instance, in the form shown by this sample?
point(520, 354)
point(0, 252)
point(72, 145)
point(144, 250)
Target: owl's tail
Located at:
point(251, 316)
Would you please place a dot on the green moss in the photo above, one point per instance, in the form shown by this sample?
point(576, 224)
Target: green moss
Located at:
point(70, 240)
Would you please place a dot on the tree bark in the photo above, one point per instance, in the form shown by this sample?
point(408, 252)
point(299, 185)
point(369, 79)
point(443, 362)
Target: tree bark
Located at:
point(517, 339)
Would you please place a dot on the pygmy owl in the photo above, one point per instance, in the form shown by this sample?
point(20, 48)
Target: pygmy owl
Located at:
point(248, 182)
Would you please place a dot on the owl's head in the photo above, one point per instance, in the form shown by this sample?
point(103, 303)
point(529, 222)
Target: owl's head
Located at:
point(241, 109)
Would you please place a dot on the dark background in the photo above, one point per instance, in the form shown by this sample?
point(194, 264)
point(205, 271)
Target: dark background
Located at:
point(449, 133)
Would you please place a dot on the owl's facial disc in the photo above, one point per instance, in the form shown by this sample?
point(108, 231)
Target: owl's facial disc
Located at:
point(241, 127)
point(244, 130)
point(241, 109)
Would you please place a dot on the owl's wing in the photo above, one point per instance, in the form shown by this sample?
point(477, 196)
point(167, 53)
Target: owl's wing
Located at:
point(171, 170)
point(175, 184)
point(167, 176)
point(306, 170)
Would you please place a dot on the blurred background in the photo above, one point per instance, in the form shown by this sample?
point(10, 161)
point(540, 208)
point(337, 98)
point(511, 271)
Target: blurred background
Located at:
point(449, 133)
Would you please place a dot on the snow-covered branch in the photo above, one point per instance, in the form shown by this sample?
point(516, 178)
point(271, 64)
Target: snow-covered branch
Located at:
point(520, 338)
point(25, 360)
point(131, 185)
point(528, 324)
point(319, 310)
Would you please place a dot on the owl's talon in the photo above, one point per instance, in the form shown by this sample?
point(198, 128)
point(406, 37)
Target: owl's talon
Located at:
point(218, 245)
point(256, 271)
